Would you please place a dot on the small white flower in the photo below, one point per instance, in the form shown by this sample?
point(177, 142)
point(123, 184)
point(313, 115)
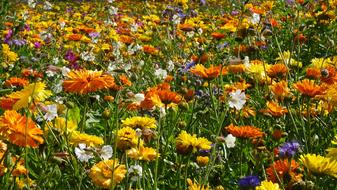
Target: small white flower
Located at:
point(230, 141)
point(106, 152)
point(255, 18)
point(237, 99)
point(136, 171)
point(113, 10)
point(160, 73)
point(176, 19)
point(83, 153)
point(138, 98)
point(65, 71)
point(170, 65)
point(51, 112)
point(47, 5)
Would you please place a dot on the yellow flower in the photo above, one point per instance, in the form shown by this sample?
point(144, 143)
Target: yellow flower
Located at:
point(127, 138)
point(186, 143)
point(90, 140)
point(9, 55)
point(202, 160)
point(285, 57)
point(195, 186)
point(61, 125)
point(143, 153)
point(140, 122)
point(34, 92)
point(258, 69)
point(319, 164)
point(107, 173)
point(320, 62)
point(268, 185)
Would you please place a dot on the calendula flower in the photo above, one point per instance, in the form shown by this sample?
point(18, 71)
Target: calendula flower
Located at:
point(140, 122)
point(202, 160)
point(319, 164)
point(308, 88)
point(280, 89)
point(86, 81)
point(237, 99)
point(195, 186)
point(143, 153)
point(15, 81)
point(8, 55)
point(244, 131)
point(268, 185)
point(277, 70)
point(62, 126)
point(20, 130)
point(186, 143)
point(127, 138)
point(281, 169)
point(77, 137)
point(274, 109)
point(31, 93)
point(208, 73)
point(285, 57)
point(107, 173)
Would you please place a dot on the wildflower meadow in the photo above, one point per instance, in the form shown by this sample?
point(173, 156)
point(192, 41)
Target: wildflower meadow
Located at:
point(168, 94)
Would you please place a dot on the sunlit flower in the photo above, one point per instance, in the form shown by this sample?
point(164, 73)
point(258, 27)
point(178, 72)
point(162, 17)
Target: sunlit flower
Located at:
point(268, 185)
point(140, 122)
point(285, 57)
point(237, 99)
point(309, 88)
point(107, 173)
point(202, 160)
point(208, 73)
point(60, 125)
point(20, 130)
point(86, 81)
point(15, 81)
point(244, 131)
point(83, 153)
point(274, 109)
point(186, 143)
point(142, 153)
point(195, 186)
point(280, 89)
point(277, 70)
point(280, 169)
point(90, 140)
point(127, 138)
point(319, 164)
point(32, 93)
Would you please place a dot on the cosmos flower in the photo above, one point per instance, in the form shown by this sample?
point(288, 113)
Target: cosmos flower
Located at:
point(237, 99)
point(86, 81)
point(20, 130)
point(31, 93)
point(107, 173)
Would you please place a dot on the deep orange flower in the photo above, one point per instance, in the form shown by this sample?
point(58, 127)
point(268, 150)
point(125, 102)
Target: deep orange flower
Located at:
point(274, 109)
point(309, 88)
point(244, 131)
point(280, 89)
point(125, 39)
point(238, 68)
point(200, 59)
point(168, 97)
point(186, 27)
point(278, 69)
point(86, 81)
point(217, 35)
point(7, 103)
point(125, 81)
point(207, 73)
point(31, 73)
point(15, 81)
point(150, 50)
point(20, 130)
point(313, 73)
point(280, 169)
point(74, 37)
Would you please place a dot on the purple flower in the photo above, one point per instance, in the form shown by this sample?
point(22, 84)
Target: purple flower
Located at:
point(37, 45)
point(249, 182)
point(289, 149)
point(70, 56)
point(94, 34)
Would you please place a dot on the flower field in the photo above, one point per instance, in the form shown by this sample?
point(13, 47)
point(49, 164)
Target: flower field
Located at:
point(175, 94)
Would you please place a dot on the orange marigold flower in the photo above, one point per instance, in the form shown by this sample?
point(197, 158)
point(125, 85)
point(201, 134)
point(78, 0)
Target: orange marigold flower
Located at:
point(278, 69)
point(74, 37)
point(309, 88)
point(200, 59)
point(20, 130)
point(150, 50)
point(186, 27)
point(208, 73)
point(280, 169)
point(168, 97)
point(244, 131)
point(237, 68)
point(280, 89)
point(313, 73)
point(7, 103)
point(274, 109)
point(15, 81)
point(86, 81)
point(217, 35)
point(125, 81)
point(125, 39)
